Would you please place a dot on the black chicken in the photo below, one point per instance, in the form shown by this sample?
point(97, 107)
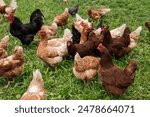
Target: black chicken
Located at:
point(73, 11)
point(25, 32)
point(76, 35)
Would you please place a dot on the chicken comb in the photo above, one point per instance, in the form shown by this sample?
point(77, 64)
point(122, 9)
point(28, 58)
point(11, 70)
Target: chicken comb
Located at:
point(82, 23)
point(100, 47)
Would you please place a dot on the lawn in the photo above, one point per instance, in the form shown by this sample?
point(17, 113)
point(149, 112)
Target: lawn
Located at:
point(60, 83)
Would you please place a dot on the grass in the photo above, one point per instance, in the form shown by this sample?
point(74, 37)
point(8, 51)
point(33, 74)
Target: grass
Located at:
point(60, 83)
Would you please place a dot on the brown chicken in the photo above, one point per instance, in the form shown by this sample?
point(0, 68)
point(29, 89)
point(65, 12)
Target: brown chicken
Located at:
point(36, 89)
point(119, 46)
point(52, 51)
point(6, 10)
point(51, 30)
point(3, 47)
point(114, 79)
point(97, 14)
point(62, 19)
point(118, 32)
point(147, 24)
point(89, 48)
point(84, 35)
point(85, 68)
point(12, 66)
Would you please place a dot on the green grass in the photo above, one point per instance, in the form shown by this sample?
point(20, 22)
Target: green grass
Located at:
point(60, 83)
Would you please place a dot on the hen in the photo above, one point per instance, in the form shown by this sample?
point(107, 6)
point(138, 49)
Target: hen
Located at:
point(52, 51)
point(85, 68)
point(51, 30)
point(5, 10)
point(12, 66)
point(84, 35)
point(25, 32)
point(85, 49)
point(73, 11)
point(36, 89)
point(147, 24)
point(79, 21)
point(3, 47)
point(134, 36)
point(118, 32)
point(62, 19)
point(119, 46)
point(114, 79)
point(97, 14)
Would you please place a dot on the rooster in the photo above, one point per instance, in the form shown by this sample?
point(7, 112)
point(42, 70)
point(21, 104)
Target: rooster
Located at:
point(25, 32)
point(3, 47)
point(114, 79)
point(36, 89)
point(6, 10)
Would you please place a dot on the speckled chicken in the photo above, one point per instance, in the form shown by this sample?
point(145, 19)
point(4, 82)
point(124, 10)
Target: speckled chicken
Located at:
point(98, 13)
point(85, 68)
point(36, 89)
point(52, 51)
point(62, 19)
point(3, 47)
point(51, 30)
point(5, 10)
point(12, 66)
point(115, 79)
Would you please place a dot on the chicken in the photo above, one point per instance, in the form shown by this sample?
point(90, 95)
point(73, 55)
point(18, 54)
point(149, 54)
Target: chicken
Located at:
point(36, 89)
point(147, 24)
point(134, 36)
point(114, 79)
point(89, 48)
point(85, 68)
point(76, 35)
point(5, 10)
point(119, 46)
point(79, 21)
point(25, 32)
point(84, 35)
point(97, 14)
point(52, 51)
point(118, 32)
point(51, 30)
point(62, 19)
point(73, 11)
point(12, 66)
point(3, 47)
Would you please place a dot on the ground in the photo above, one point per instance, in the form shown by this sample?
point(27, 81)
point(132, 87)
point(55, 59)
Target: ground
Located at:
point(60, 83)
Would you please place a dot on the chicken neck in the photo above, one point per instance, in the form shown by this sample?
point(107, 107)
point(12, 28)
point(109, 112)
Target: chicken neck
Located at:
point(106, 61)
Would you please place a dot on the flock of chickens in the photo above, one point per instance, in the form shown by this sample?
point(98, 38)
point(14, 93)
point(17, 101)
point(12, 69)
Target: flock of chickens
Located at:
point(90, 47)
